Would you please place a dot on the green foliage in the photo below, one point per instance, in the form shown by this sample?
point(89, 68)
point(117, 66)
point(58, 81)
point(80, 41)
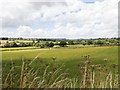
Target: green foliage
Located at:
point(13, 44)
point(89, 42)
point(47, 44)
point(22, 44)
point(51, 44)
point(37, 45)
point(70, 42)
point(17, 41)
point(7, 45)
point(99, 42)
point(33, 41)
point(63, 43)
point(29, 44)
point(42, 46)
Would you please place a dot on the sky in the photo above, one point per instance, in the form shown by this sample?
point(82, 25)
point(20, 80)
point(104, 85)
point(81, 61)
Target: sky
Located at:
point(71, 19)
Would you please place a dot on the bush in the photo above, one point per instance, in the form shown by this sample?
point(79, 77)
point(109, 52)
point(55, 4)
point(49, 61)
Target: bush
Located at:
point(13, 44)
point(51, 44)
point(37, 45)
point(22, 44)
point(99, 42)
point(70, 43)
point(42, 46)
point(29, 44)
point(63, 43)
point(7, 45)
point(47, 44)
point(89, 42)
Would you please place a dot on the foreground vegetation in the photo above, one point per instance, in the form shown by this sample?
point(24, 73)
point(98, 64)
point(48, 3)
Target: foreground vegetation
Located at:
point(90, 67)
point(53, 75)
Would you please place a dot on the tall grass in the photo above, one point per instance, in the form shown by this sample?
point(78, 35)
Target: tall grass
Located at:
point(56, 76)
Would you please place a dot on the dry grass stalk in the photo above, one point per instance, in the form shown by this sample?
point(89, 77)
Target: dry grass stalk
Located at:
point(29, 78)
point(107, 78)
point(84, 80)
point(110, 80)
point(30, 86)
point(21, 75)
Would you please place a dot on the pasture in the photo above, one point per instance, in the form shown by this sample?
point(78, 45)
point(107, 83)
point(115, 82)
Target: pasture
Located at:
point(70, 57)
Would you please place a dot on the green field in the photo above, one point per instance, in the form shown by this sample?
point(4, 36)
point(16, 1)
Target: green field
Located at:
point(70, 57)
point(18, 48)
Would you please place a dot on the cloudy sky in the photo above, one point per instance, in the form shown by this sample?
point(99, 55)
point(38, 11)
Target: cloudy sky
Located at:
point(70, 19)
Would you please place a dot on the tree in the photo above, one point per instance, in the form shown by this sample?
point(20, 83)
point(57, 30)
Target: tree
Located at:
point(89, 42)
point(29, 44)
point(99, 42)
point(51, 44)
point(42, 46)
point(22, 44)
point(38, 41)
point(7, 45)
point(47, 44)
point(33, 41)
point(84, 43)
point(13, 44)
point(70, 42)
point(63, 43)
point(37, 45)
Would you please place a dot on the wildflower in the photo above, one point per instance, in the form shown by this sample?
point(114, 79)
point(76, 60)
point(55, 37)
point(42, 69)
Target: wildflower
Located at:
point(87, 62)
point(82, 63)
point(98, 65)
point(113, 65)
point(100, 69)
point(92, 66)
point(85, 57)
point(82, 67)
point(88, 56)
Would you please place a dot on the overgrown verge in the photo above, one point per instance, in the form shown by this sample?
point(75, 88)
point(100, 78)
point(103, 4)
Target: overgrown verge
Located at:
point(53, 75)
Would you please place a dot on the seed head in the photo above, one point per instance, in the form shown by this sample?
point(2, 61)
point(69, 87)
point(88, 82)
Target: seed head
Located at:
point(113, 65)
point(105, 59)
point(87, 62)
point(92, 66)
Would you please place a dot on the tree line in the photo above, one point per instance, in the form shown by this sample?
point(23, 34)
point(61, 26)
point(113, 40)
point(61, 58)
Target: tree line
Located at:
point(63, 43)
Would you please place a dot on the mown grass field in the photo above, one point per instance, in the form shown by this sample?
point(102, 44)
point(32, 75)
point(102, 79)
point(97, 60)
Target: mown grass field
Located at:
point(70, 57)
point(18, 48)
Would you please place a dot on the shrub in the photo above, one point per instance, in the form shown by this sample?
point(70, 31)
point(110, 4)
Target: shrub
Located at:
point(7, 45)
point(13, 44)
point(22, 44)
point(37, 45)
point(51, 44)
point(63, 43)
point(47, 44)
point(70, 43)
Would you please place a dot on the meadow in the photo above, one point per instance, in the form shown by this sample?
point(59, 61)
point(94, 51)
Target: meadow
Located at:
point(71, 58)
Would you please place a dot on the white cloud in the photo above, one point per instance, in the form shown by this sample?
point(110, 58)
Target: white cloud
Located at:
point(104, 13)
